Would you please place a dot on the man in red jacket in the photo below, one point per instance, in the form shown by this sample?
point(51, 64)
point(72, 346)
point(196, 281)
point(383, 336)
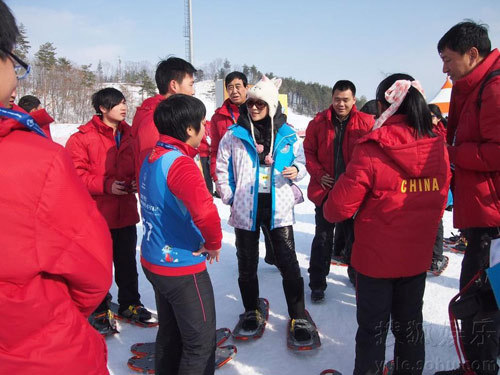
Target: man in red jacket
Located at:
point(33, 106)
point(328, 146)
point(473, 135)
point(173, 76)
point(56, 250)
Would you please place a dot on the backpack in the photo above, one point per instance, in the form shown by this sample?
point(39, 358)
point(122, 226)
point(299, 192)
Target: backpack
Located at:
point(492, 74)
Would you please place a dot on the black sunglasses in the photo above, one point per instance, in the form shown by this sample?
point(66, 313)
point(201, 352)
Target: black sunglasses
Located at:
point(260, 104)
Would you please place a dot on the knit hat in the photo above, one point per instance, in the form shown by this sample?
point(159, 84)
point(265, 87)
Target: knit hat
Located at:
point(266, 90)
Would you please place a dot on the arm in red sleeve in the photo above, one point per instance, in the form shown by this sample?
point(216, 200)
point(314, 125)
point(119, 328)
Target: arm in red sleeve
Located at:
point(187, 184)
point(310, 151)
point(215, 137)
point(351, 188)
point(72, 237)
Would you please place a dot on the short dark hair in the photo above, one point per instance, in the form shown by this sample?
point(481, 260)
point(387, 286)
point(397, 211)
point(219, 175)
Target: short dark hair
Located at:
point(434, 108)
point(370, 107)
point(8, 30)
point(177, 113)
point(413, 106)
point(236, 75)
point(465, 35)
point(170, 69)
point(107, 98)
point(29, 102)
point(344, 85)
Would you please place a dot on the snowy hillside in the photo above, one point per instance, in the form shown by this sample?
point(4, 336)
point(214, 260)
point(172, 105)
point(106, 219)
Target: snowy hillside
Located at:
point(335, 318)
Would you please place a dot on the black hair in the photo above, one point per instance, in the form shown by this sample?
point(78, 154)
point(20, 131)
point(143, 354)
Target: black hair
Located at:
point(8, 30)
point(170, 69)
point(434, 108)
point(107, 98)
point(177, 113)
point(465, 35)
point(344, 85)
point(414, 105)
point(370, 107)
point(29, 102)
point(235, 75)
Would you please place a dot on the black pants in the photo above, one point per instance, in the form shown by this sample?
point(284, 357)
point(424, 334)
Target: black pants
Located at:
point(247, 252)
point(480, 331)
point(205, 166)
point(378, 302)
point(323, 244)
point(126, 277)
point(185, 342)
point(437, 250)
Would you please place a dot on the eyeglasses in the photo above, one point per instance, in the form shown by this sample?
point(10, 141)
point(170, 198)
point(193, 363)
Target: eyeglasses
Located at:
point(260, 104)
point(21, 68)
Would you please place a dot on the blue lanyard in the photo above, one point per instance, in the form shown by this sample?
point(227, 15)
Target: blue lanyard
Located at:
point(24, 119)
point(118, 138)
point(231, 112)
point(167, 146)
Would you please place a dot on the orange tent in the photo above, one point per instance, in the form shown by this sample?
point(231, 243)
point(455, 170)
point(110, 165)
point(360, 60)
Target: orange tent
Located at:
point(442, 99)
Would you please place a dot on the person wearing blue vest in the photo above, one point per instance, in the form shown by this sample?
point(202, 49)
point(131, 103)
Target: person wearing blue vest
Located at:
point(181, 231)
point(258, 159)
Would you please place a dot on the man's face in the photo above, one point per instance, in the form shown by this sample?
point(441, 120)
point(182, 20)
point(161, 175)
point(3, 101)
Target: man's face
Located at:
point(186, 87)
point(456, 65)
point(237, 91)
point(342, 102)
point(8, 81)
point(195, 139)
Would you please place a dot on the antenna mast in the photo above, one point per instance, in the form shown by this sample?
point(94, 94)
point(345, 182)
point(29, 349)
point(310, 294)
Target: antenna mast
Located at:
point(188, 31)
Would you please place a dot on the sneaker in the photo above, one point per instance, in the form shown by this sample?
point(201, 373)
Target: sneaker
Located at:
point(135, 312)
point(252, 320)
point(301, 329)
point(317, 295)
point(457, 371)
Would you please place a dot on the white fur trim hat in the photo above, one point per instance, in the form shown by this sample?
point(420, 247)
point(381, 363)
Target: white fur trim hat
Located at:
point(267, 90)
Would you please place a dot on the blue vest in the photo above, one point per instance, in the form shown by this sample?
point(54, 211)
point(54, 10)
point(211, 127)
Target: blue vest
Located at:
point(170, 235)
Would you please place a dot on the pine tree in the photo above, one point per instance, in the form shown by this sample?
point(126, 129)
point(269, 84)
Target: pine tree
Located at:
point(46, 56)
point(22, 43)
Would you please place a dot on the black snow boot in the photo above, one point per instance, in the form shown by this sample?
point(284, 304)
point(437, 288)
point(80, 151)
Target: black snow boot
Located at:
point(294, 295)
point(249, 290)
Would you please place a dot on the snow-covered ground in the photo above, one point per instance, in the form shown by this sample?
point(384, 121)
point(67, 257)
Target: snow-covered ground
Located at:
point(335, 318)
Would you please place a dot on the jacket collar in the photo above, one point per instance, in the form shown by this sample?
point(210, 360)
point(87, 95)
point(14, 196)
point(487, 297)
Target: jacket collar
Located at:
point(468, 83)
point(183, 147)
point(226, 108)
point(96, 124)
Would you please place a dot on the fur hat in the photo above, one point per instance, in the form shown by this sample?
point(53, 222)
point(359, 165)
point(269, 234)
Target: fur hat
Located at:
point(267, 90)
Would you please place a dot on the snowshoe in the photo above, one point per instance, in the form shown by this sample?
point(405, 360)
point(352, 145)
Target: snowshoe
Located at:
point(252, 324)
point(104, 322)
point(389, 368)
point(453, 239)
point(302, 334)
point(438, 266)
point(330, 372)
point(223, 354)
point(338, 260)
point(459, 248)
point(148, 348)
point(136, 315)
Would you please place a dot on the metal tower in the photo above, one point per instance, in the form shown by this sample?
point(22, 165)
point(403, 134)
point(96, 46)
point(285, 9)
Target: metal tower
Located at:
point(188, 31)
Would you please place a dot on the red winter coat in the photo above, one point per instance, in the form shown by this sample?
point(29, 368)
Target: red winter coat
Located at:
point(223, 118)
point(43, 119)
point(398, 186)
point(204, 147)
point(476, 151)
point(318, 147)
point(99, 163)
point(56, 260)
point(144, 132)
point(440, 130)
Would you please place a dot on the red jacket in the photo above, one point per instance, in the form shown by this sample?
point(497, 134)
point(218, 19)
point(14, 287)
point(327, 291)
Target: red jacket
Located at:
point(397, 186)
point(318, 147)
point(440, 130)
point(186, 182)
point(476, 150)
point(144, 132)
point(204, 147)
point(43, 119)
point(56, 260)
point(99, 163)
point(223, 118)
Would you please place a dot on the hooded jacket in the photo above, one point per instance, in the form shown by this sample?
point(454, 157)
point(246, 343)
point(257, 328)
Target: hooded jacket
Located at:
point(99, 162)
point(397, 186)
point(56, 260)
point(319, 147)
point(224, 116)
point(144, 132)
point(238, 174)
point(474, 133)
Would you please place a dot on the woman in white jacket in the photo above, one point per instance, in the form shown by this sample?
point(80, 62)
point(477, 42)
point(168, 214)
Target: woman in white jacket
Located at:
point(257, 160)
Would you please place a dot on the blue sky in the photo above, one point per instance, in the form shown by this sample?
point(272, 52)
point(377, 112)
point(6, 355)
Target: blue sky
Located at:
point(315, 41)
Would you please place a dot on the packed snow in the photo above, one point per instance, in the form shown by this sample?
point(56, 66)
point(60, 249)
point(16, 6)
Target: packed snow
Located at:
point(335, 317)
